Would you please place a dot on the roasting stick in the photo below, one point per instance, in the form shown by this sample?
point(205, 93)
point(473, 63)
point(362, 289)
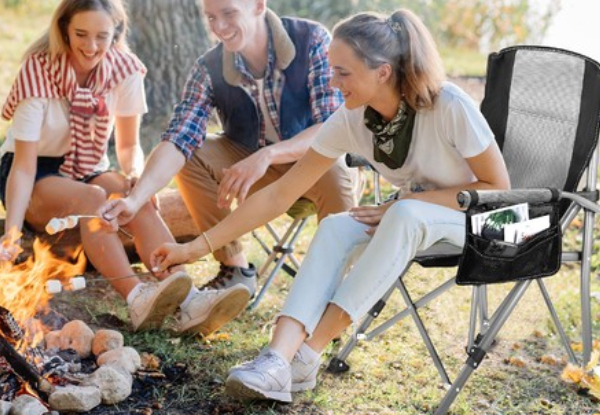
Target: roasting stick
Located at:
point(54, 286)
point(56, 225)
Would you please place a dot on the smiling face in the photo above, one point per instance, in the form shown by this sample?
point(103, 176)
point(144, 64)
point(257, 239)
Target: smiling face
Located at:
point(234, 22)
point(90, 35)
point(359, 84)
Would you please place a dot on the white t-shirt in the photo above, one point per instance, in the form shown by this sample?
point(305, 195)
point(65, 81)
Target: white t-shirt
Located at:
point(47, 120)
point(443, 137)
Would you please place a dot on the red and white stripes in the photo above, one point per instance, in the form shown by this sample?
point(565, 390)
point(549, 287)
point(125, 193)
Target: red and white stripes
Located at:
point(88, 116)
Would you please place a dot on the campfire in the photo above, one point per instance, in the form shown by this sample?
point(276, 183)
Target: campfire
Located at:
point(68, 369)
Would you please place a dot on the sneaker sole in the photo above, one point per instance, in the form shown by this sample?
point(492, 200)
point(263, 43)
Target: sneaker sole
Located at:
point(223, 312)
point(239, 390)
point(304, 386)
point(166, 302)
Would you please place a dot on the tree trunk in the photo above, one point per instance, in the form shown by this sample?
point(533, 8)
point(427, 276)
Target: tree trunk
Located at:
point(168, 36)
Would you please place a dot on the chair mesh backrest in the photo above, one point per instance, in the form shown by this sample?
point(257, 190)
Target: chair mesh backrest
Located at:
point(543, 105)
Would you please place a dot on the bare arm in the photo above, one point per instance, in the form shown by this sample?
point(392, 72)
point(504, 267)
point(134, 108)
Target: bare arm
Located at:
point(18, 193)
point(260, 208)
point(239, 178)
point(128, 149)
point(489, 169)
point(164, 163)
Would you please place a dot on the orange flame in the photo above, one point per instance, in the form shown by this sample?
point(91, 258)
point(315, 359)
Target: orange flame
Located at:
point(23, 287)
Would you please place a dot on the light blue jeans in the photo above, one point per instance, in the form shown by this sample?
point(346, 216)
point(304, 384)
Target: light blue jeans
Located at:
point(346, 267)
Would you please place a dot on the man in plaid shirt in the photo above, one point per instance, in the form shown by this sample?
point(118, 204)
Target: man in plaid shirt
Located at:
point(269, 80)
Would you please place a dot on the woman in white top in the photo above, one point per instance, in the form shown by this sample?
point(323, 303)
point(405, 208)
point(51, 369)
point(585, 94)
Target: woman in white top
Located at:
point(424, 135)
point(77, 83)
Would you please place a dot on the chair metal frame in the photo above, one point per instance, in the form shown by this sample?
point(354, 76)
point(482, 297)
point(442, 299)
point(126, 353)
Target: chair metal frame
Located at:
point(279, 254)
point(483, 327)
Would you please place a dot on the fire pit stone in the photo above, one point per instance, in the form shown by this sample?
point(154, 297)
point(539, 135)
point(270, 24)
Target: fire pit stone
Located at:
point(4, 407)
point(78, 336)
point(114, 383)
point(106, 340)
point(52, 339)
point(75, 398)
point(27, 405)
point(126, 357)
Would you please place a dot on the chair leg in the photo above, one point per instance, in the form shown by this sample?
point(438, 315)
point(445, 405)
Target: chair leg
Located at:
point(553, 314)
point(424, 334)
point(283, 249)
point(338, 364)
point(478, 352)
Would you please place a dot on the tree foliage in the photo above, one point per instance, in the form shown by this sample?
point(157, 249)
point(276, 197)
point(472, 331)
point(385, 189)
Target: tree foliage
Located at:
point(482, 25)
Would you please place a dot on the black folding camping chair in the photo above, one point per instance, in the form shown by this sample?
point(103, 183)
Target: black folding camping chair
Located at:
point(543, 105)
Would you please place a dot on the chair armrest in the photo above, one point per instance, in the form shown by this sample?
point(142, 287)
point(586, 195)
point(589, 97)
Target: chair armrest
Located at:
point(354, 160)
point(469, 198)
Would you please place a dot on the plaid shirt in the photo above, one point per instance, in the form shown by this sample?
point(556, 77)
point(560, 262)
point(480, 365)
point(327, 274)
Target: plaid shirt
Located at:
point(187, 128)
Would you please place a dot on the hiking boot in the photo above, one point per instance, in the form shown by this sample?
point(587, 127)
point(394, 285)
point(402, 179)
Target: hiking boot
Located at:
point(229, 276)
point(304, 374)
point(209, 310)
point(269, 376)
point(155, 301)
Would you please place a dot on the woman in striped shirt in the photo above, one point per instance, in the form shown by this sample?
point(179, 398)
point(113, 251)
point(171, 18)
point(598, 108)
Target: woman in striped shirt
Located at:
point(77, 83)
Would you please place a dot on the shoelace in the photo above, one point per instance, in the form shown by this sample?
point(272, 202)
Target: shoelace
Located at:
point(224, 275)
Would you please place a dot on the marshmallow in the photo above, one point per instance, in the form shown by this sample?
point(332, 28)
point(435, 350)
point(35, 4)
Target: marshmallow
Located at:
point(53, 286)
point(71, 222)
point(55, 225)
point(77, 283)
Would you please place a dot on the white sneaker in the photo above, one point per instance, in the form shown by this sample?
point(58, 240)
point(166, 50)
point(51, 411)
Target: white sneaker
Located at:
point(155, 301)
point(209, 310)
point(304, 374)
point(269, 376)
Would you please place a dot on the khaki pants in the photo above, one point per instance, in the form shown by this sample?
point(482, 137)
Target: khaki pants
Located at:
point(198, 182)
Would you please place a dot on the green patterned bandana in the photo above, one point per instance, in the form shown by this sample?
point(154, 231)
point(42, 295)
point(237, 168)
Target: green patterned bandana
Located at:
point(391, 140)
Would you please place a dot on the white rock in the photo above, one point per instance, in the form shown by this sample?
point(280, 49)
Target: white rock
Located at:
point(78, 336)
point(27, 405)
point(73, 398)
point(126, 357)
point(5, 407)
point(114, 384)
point(106, 340)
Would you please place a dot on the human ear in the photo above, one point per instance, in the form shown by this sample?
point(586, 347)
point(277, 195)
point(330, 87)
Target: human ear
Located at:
point(384, 73)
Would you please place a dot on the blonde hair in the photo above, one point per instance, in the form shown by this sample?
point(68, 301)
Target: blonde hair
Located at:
point(55, 40)
point(402, 41)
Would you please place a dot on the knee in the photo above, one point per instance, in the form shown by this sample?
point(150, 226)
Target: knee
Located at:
point(405, 213)
point(94, 196)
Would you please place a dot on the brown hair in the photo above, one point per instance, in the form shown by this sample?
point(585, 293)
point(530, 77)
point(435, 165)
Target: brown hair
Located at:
point(402, 41)
point(55, 40)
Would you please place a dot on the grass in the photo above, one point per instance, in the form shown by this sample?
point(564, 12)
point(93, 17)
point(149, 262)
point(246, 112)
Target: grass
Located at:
point(391, 374)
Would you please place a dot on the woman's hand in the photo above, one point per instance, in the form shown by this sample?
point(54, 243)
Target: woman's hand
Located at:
point(10, 248)
point(370, 215)
point(170, 254)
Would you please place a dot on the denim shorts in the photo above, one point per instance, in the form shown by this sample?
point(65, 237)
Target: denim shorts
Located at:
point(46, 166)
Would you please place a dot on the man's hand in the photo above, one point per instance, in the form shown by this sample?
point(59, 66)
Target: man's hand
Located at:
point(370, 215)
point(118, 212)
point(170, 254)
point(239, 178)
